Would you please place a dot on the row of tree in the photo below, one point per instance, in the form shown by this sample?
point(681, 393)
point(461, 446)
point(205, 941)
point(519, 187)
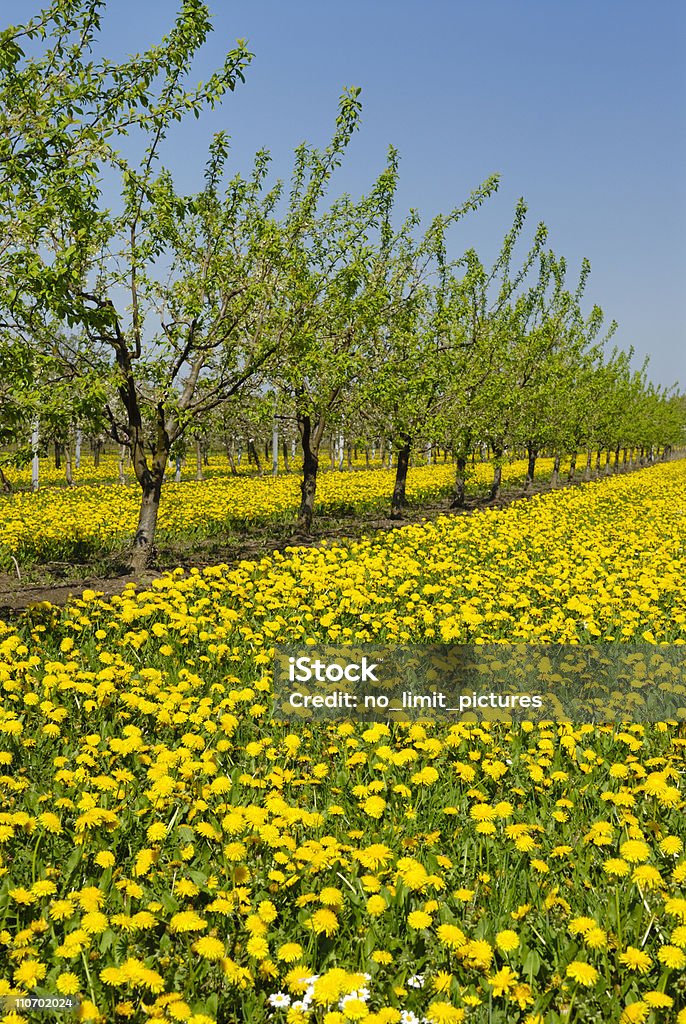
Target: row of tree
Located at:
point(160, 318)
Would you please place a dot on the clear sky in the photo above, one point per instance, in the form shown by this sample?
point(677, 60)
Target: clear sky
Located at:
point(581, 107)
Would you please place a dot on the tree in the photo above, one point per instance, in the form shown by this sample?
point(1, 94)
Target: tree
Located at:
point(178, 345)
point(337, 290)
point(488, 316)
point(403, 393)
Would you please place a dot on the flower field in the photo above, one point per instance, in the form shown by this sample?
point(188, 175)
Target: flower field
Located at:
point(107, 471)
point(170, 853)
point(64, 523)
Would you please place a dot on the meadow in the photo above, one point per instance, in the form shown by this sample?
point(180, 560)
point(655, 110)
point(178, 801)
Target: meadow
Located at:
point(169, 852)
point(98, 515)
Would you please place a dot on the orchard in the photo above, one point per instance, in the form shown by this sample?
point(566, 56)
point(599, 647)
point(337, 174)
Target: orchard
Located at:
point(267, 359)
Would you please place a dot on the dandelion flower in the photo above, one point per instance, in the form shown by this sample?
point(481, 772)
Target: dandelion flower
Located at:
point(507, 940)
point(583, 973)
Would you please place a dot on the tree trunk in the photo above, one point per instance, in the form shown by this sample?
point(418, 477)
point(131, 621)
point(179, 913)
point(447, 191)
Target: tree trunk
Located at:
point(58, 455)
point(460, 482)
point(615, 465)
point(252, 453)
point(5, 484)
point(120, 463)
point(68, 473)
point(284, 449)
point(399, 500)
point(77, 452)
point(275, 447)
point(597, 461)
point(150, 480)
point(531, 454)
point(310, 440)
point(497, 473)
point(232, 461)
point(555, 478)
point(198, 459)
point(366, 457)
point(350, 457)
point(589, 461)
point(625, 455)
point(572, 468)
point(143, 544)
point(177, 471)
point(96, 453)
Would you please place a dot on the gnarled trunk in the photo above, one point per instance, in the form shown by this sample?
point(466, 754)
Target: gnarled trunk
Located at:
point(555, 478)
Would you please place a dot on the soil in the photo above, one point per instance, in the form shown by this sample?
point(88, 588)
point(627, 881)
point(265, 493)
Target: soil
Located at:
point(57, 582)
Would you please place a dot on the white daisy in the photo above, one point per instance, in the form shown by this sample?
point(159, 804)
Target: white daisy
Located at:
point(279, 1000)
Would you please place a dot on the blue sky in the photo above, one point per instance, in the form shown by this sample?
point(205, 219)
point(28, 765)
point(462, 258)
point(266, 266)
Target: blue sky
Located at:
point(580, 106)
